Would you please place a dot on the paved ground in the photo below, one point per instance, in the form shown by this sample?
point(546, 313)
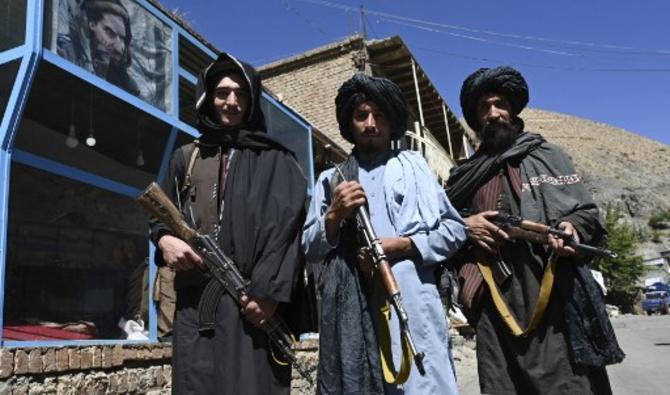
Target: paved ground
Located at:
point(646, 342)
point(646, 369)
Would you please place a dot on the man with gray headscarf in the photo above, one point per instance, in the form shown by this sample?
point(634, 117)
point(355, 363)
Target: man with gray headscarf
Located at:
point(566, 344)
point(417, 227)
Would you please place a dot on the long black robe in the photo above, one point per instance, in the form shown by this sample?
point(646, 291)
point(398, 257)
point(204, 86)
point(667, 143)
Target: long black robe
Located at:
point(263, 209)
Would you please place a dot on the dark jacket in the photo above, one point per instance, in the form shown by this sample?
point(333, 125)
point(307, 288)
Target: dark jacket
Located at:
point(552, 192)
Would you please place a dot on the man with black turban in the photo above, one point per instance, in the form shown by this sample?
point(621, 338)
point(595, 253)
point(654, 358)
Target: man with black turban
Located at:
point(247, 191)
point(418, 228)
point(524, 345)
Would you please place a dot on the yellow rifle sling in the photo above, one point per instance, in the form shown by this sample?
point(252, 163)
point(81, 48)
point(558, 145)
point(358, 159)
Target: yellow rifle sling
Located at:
point(504, 311)
point(385, 351)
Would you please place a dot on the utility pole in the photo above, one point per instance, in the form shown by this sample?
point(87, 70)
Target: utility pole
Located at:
point(361, 58)
point(363, 30)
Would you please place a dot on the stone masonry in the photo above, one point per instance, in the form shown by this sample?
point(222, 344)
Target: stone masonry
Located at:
point(103, 369)
point(315, 82)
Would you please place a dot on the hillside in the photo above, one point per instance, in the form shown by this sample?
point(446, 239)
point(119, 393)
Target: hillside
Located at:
point(617, 165)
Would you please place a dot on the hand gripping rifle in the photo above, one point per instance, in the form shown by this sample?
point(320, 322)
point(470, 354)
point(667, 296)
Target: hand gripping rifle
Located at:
point(381, 264)
point(222, 268)
point(522, 229)
point(519, 228)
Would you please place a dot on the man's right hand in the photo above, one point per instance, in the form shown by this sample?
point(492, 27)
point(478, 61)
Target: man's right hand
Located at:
point(178, 255)
point(484, 233)
point(347, 196)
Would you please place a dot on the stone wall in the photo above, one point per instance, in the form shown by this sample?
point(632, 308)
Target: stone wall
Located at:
point(111, 369)
point(316, 82)
point(143, 369)
point(108, 369)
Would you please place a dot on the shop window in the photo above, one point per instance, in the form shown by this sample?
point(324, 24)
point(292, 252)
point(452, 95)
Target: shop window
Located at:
point(192, 58)
point(74, 123)
point(12, 23)
point(76, 259)
point(8, 73)
point(187, 111)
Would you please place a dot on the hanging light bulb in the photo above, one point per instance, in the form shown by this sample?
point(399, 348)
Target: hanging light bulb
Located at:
point(140, 159)
point(71, 139)
point(90, 140)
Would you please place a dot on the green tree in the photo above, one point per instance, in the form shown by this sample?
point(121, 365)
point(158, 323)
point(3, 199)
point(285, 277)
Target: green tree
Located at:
point(622, 274)
point(660, 220)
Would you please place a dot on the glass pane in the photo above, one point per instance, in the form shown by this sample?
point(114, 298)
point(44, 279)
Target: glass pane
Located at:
point(76, 259)
point(192, 58)
point(187, 111)
point(63, 114)
point(120, 42)
point(8, 73)
point(12, 23)
point(289, 132)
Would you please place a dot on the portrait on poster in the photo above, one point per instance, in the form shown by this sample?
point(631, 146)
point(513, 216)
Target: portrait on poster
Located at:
point(117, 40)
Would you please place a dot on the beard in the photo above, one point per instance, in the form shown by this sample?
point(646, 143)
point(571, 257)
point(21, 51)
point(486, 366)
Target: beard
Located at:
point(498, 136)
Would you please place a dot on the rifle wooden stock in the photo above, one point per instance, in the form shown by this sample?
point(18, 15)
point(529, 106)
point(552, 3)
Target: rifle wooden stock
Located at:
point(160, 206)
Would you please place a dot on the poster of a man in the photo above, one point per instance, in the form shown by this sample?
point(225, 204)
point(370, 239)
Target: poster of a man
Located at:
point(119, 41)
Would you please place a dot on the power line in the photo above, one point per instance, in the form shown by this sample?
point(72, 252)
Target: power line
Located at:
point(589, 46)
point(549, 67)
point(469, 37)
point(305, 19)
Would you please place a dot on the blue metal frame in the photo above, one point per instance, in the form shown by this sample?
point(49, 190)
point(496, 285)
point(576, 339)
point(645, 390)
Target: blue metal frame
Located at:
point(73, 173)
point(31, 54)
point(115, 91)
point(12, 54)
point(32, 50)
point(189, 77)
point(153, 269)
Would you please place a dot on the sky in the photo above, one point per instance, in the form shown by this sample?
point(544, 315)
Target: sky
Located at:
point(607, 61)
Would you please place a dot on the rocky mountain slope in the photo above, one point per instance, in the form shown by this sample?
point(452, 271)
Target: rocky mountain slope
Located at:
point(618, 166)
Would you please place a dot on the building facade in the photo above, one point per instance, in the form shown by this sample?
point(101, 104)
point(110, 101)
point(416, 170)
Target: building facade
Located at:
point(308, 83)
point(94, 98)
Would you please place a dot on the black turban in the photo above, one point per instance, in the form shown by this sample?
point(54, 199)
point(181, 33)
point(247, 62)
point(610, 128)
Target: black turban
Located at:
point(384, 93)
point(503, 80)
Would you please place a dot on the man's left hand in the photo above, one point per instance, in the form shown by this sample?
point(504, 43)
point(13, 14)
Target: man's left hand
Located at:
point(257, 311)
point(559, 245)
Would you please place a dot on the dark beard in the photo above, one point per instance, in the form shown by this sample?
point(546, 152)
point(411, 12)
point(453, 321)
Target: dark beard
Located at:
point(498, 136)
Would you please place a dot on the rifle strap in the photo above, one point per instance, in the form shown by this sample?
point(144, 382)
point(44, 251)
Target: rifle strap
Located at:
point(209, 302)
point(501, 305)
point(189, 169)
point(385, 349)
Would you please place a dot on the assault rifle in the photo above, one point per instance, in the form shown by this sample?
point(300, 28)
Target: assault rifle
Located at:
point(221, 267)
point(519, 228)
point(373, 247)
point(523, 229)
